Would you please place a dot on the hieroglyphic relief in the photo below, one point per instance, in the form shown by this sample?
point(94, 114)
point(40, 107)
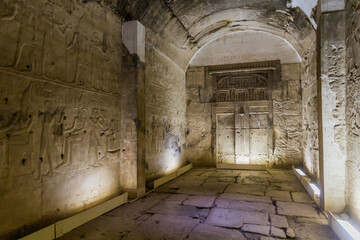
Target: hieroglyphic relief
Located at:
point(16, 131)
point(242, 87)
point(63, 133)
point(58, 47)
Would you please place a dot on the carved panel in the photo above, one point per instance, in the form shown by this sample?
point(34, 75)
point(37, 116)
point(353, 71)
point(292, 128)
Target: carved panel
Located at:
point(244, 82)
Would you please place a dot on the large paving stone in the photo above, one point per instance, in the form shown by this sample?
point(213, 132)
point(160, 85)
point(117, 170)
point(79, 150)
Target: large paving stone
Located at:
point(221, 179)
point(200, 201)
point(247, 189)
point(279, 195)
point(263, 230)
point(278, 221)
point(245, 197)
point(312, 231)
point(243, 205)
point(103, 228)
point(301, 197)
point(206, 232)
point(174, 209)
point(235, 218)
point(287, 186)
point(277, 232)
point(177, 198)
point(162, 226)
point(296, 209)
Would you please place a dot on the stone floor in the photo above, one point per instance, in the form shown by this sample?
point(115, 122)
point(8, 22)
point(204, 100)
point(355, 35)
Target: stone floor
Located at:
point(208, 203)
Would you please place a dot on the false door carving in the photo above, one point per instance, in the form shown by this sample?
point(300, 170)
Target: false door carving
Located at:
point(243, 132)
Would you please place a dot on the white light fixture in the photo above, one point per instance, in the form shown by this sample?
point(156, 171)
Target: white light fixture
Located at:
point(350, 229)
point(315, 189)
point(300, 172)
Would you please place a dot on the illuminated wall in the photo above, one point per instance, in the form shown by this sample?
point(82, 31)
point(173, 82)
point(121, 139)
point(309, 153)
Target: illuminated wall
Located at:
point(353, 107)
point(59, 110)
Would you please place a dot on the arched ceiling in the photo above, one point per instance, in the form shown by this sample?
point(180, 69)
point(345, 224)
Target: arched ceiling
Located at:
point(245, 46)
point(179, 28)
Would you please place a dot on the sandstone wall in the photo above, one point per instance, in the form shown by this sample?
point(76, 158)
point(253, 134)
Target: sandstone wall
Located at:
point(165, 119)
point(310, 113)
point(60, 63)
point(287, 115)
point(353, 106)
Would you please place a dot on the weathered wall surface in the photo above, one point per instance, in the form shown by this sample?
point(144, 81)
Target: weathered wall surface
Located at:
point(287, 118)
point(198, 121)
point(59, 110)
point(310, 113)
point(287, 115)
point(165, 119)
point(353, 107)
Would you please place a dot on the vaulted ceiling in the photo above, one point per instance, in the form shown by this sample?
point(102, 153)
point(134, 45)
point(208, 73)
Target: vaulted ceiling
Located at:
point(179, 28)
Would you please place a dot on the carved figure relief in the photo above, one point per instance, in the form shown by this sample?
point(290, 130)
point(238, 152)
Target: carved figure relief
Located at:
point(17, 131)
point(47, 119)
point(74, 134)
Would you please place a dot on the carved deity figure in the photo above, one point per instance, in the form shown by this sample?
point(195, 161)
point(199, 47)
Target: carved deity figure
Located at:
point(16, 131)
point(47, 119)
point(96, 131)
point(111, 143)
point(72, 135)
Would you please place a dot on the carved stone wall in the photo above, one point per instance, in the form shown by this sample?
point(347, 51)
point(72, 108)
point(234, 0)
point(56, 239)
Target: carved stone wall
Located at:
point(59, 110)
point(353, 106)
point(285, 95)
point(165, 110)
point(310, 113)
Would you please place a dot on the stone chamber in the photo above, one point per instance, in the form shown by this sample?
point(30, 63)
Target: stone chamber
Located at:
point(102, 97)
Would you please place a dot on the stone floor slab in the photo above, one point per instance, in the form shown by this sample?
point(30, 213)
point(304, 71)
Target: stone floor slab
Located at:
point(235, 218)
point(200, 201)
point(277, 232)
point(279, 195)
point(278, 221)
point(174, 209)
point(263, 230)
point(245, 197)
point(243, 205)
point(301, 197)
point(162, 226)
point(207, 232)
point(246, 189)
point(296, 209)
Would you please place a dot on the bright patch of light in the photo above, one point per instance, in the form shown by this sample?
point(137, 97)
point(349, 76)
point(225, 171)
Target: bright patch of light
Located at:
point(315, 189)
point(300, 172)
point(350, 229)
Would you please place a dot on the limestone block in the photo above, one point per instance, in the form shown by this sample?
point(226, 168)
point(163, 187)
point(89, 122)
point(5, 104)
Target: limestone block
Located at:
point(235, 218)
point(245, 197)
point(200, 201)
point(278, 221)
point(301, 197)
point(258, 190)
point(277, 232)
point(291, 72)
point(171, 227)
point(243, 205)
point(263, 230)
point(296, 209)
point(279, 195)
point(204, 232)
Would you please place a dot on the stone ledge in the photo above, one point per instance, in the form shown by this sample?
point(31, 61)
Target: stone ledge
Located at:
point(61, 227)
